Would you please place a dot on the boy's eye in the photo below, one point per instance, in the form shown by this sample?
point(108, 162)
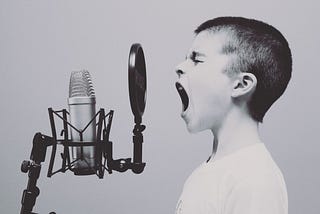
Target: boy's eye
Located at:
point(197, 61)
point(194, 59)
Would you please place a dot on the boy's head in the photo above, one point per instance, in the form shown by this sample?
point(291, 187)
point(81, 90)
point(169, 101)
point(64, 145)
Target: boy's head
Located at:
point(253, 55)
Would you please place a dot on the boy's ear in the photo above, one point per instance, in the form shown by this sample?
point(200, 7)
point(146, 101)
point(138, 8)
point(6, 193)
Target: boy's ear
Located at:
point(244, 85)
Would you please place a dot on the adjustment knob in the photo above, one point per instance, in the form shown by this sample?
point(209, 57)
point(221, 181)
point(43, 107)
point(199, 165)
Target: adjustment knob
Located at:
point(36, 191)
point(25, 166)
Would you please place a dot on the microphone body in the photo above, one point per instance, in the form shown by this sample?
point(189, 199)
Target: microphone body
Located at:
point(82, 111)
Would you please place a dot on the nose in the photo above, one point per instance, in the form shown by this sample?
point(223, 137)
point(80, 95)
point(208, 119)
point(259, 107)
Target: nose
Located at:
point(179, 72)
point(181, 69)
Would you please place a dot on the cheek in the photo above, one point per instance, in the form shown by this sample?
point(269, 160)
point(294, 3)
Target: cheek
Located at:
point(208, 92)
point(210, 99)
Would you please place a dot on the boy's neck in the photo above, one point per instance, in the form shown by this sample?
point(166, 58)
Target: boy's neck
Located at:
point(238, 131)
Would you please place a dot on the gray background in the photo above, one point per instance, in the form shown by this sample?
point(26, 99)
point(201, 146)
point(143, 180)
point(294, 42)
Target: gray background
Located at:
point(41, 42)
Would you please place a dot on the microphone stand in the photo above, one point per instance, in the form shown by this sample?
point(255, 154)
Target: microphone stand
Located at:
point(38, 154)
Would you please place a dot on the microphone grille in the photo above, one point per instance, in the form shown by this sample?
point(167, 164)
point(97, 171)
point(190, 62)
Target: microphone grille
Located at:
point(81, 84)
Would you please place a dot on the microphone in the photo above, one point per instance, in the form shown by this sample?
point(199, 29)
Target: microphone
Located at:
point(82, 111)
point(85, 133)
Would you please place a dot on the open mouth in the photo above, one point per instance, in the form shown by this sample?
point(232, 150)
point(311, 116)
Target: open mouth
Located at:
point(183, 95)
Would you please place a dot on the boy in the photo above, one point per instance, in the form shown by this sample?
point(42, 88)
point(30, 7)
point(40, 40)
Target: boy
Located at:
point(235, 70)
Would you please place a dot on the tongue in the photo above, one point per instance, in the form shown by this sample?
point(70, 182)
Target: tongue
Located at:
point(183, 95)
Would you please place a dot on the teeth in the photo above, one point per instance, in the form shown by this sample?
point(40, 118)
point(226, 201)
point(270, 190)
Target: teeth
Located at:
point(183, 95)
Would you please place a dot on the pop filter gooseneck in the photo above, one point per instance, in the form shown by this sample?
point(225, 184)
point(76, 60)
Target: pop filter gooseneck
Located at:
point(137, 81)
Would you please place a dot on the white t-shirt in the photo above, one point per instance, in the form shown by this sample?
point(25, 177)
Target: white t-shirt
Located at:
point(247, 181)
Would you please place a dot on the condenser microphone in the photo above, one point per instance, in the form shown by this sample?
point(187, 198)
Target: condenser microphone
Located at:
point(82, 111)
point(85, 132)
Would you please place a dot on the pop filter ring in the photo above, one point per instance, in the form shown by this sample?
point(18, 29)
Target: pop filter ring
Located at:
point(137, 81)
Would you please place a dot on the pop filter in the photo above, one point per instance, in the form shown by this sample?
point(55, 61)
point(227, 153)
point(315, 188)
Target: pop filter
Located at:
point(137, 81)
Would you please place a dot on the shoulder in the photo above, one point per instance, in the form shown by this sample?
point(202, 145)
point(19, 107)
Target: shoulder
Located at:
point(253, 181)
point(262, 195)
point(254, 162)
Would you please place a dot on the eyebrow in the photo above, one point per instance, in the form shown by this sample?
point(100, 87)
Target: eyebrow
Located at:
point(195, 54)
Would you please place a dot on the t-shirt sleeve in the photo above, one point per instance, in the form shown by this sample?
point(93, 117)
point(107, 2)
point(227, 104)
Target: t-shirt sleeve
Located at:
point(253, 197)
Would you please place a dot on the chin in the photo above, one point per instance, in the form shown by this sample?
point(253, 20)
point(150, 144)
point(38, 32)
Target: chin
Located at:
point(191, 129)
point(195, 127)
